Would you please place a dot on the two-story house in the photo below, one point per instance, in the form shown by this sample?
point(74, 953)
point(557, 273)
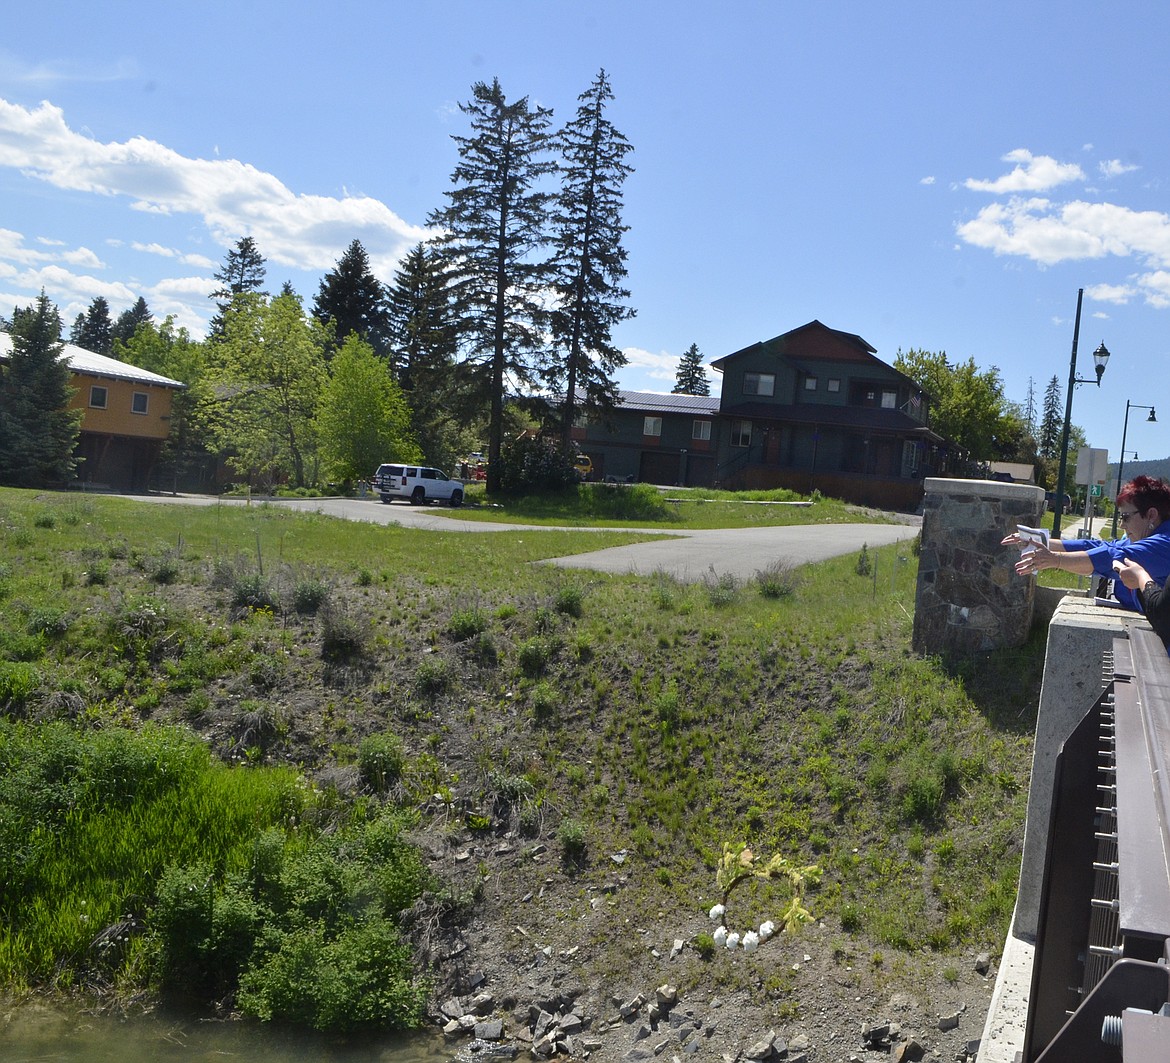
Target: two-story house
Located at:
point(125, 417)
point(816, 408)
point(812, 409)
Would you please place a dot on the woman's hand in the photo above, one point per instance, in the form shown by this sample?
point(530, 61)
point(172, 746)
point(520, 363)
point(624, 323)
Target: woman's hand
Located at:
point(1012, 540)
point(1131, 574)
point(1035, 560)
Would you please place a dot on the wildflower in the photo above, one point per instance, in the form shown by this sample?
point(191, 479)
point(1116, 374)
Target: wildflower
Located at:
point(767, 929)
point(751, 941)
point(720, 935)
point(733, 939)
point(716, 913)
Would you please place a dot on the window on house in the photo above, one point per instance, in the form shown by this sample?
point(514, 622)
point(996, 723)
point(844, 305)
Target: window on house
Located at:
point(651, 426)
point(741, 433)
point(138, 402)
point(834, 385)
point(810, 383)
point(759, 383)
point(701, 430)
point(97, 397)
point(889, 400)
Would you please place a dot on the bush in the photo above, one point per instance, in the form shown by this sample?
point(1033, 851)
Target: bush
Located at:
point(309, 595)
point(381, 759)
point(343, 637)
point(432, 677)
point(568, 600)
point(534, 466)
point(721, 590)
point(466, 623)
point(572, 838)
point(778, 580)
point(251, 591)
point(534, 655)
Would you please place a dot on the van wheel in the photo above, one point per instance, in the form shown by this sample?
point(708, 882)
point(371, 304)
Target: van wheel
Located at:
point(418, 497)
point(457, 498)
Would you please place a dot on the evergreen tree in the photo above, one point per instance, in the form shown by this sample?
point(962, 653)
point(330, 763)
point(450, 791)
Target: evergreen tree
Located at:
point(129, 320)
point(590, 261)
point(422, 355)
point(94, 331)
point(1052, 421)
point(38, 431)
point(353, 300)
point(492, 234)
point(691, 378)
point(242, 272)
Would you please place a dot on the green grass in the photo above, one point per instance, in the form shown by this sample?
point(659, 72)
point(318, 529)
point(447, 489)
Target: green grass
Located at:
point(619, 712)
point(645, 506)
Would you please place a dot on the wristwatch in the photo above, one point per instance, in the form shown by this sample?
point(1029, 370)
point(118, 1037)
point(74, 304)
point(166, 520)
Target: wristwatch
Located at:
point(1150, 587)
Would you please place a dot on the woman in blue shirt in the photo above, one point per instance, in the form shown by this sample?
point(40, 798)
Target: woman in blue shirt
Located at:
point(1143, 507)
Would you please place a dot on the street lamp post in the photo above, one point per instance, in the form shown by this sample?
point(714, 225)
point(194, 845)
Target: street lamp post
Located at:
point(1121, 460)
point(1100, 358)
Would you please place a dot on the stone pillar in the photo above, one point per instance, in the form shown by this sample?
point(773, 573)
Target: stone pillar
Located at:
point(969, 597)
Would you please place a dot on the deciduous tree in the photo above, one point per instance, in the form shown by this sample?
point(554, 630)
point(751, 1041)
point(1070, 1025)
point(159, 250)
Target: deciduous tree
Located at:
point(589, 259)
point(493, 238)
point(362, 418)
point(38, 431)
point(266, 372)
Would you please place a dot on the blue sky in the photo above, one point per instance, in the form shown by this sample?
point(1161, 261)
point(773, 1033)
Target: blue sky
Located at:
point(936, 175)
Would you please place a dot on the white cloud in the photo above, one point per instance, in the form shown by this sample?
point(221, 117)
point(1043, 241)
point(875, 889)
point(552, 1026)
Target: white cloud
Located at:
point(55, 72)
point(1033, 173)
point(234, 199)
point(1115, 168)
point(1156, 287)
point(12, 249)
point(1049, 233)
point(1119, 294)
point(83, 258)
point(927, 181)
point(202, 261)
point(660, 366)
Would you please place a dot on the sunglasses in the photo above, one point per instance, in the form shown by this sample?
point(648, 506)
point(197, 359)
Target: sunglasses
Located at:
point(1125, 516)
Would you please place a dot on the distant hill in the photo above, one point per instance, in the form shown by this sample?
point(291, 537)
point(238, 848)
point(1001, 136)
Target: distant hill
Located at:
point(1159, 467)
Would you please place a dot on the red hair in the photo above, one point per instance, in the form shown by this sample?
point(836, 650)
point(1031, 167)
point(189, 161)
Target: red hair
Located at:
point(1146, 493)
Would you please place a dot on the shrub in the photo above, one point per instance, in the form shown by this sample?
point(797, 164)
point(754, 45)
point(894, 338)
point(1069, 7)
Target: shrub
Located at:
point(163, 568)
point(572, 838)
point(545, 699)
point(432, 676)
point(778, 580)
point(850, 918)
point(721, 590)
point(864, 566)
point(18, 682)
point(251, 591)
point(344, 637)
point(309, 595)
point(381, 759)
point(48, 621)
point(534, 655)
point(568, 600)
point(466, 623)
point(534, 466)
point(704, 945)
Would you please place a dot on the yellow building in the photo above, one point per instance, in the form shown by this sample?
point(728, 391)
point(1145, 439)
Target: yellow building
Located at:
point(125, 417)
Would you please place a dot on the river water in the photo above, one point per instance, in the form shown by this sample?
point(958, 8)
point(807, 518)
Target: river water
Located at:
point(40, 1033)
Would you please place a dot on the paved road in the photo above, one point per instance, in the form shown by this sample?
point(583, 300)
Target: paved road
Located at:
point(688, 556)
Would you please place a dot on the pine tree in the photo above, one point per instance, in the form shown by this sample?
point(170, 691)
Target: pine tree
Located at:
point(129, 320)
point(590, 261)
point(353, 300)
point(242, 272)
point(1052, 421)
point(93, 331)
point(422, 353)
point(493, 240)
point(38, 431)
point(691, 378)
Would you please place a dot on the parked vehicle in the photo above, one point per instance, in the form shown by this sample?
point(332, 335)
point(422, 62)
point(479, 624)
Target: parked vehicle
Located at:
point(417, 484)
point(583, 463)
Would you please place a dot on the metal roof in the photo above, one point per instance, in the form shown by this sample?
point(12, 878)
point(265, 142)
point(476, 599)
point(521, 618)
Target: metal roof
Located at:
point(704, 405)
point(82, 361)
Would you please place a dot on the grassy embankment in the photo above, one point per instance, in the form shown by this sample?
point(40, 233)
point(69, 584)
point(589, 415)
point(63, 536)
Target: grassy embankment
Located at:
point(347, 678)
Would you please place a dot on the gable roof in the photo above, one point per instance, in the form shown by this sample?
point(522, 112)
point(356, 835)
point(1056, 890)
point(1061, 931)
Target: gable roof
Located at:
point(856, 349)
point(100, 365)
